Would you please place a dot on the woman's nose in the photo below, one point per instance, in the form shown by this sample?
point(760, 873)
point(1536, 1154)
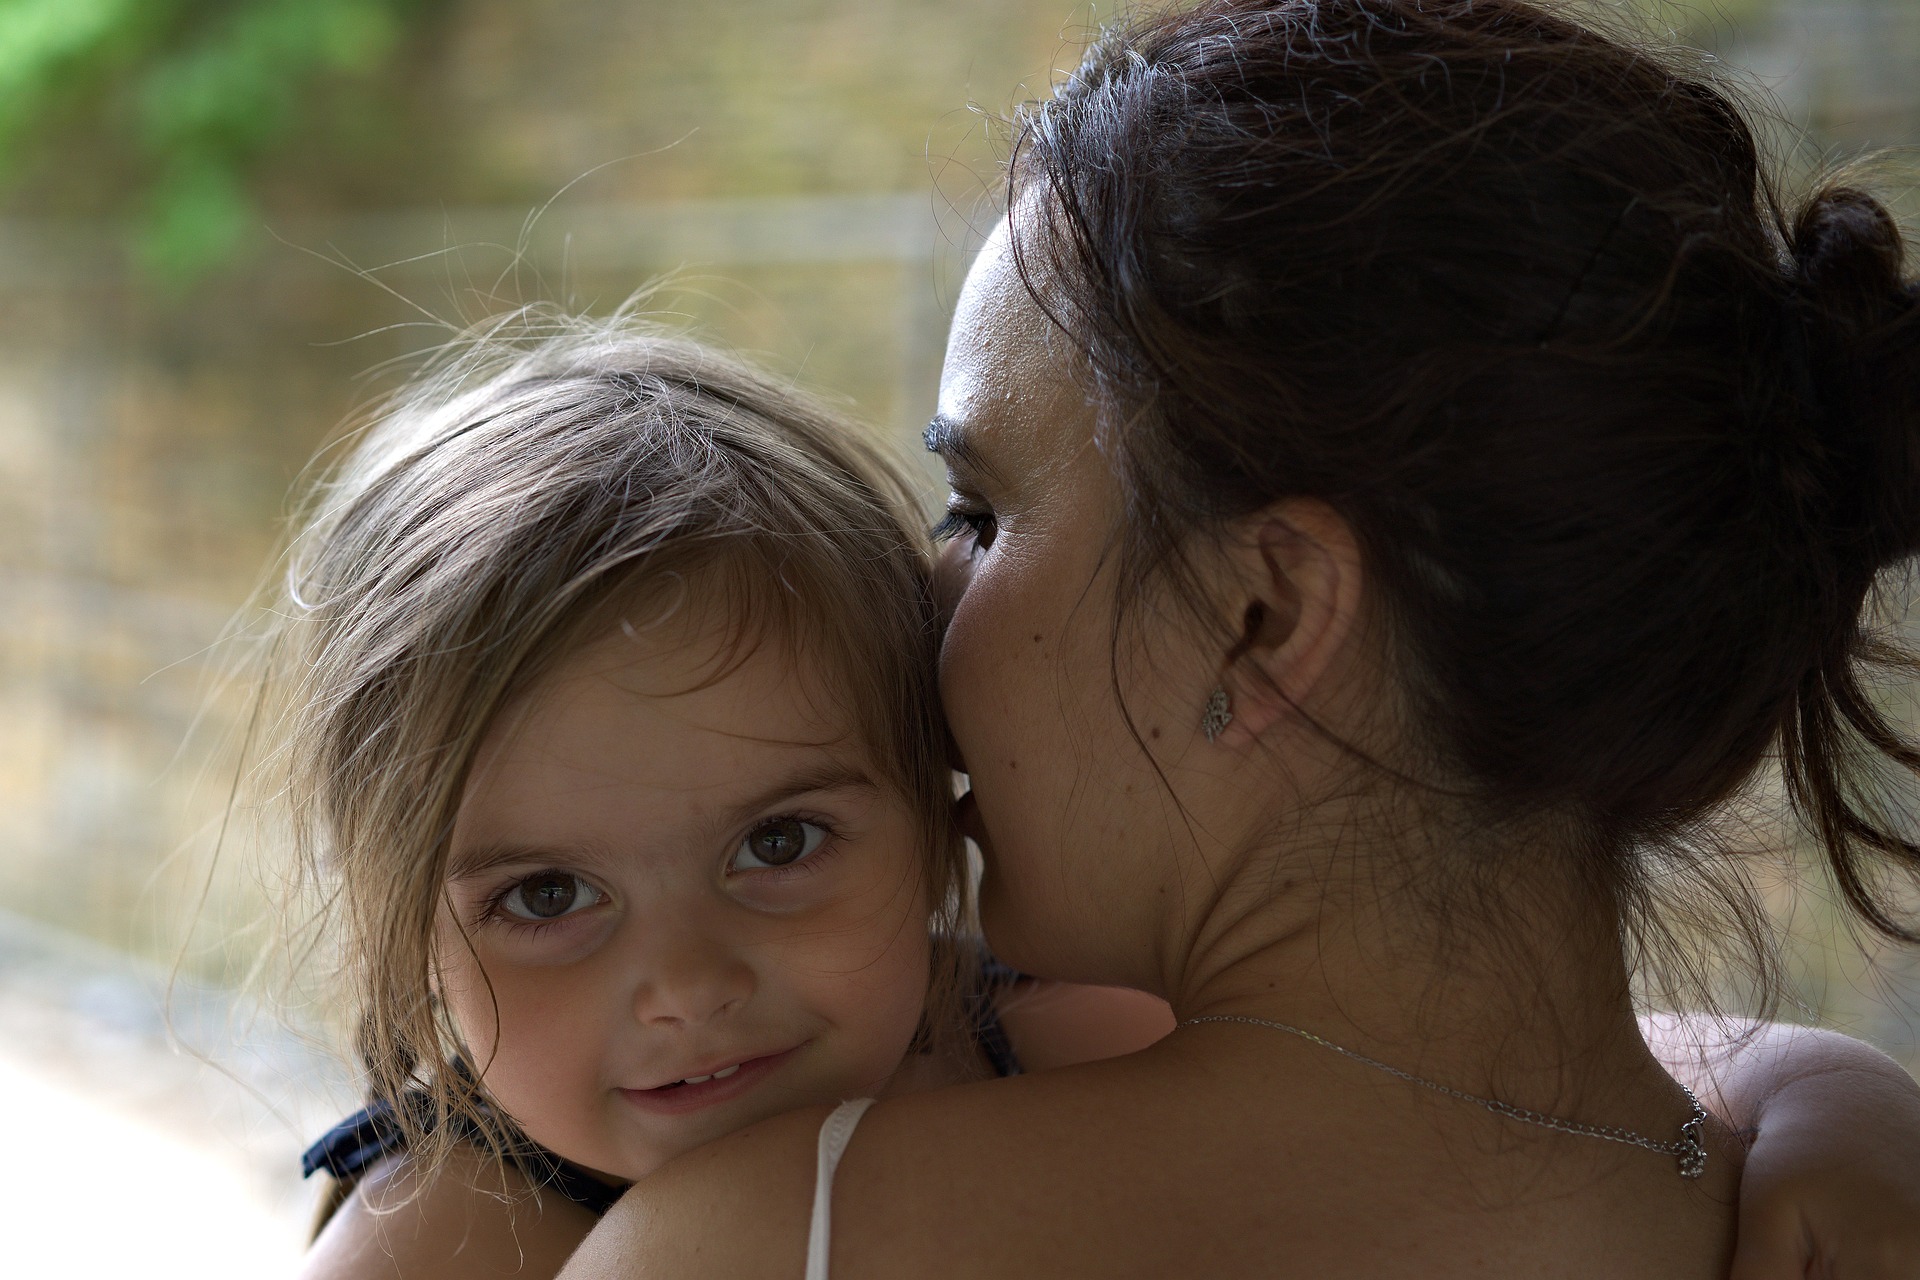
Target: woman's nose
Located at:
point(952, 566)
point(687, 980)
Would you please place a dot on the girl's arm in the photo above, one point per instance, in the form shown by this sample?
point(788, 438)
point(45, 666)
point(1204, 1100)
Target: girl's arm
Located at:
point(467, 1222)
point(1832, 1182)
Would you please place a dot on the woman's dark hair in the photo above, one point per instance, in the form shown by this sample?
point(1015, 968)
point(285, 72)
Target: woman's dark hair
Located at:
point(1625, 443)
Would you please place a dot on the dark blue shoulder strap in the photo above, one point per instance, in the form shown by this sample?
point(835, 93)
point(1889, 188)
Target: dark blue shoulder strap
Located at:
point(356, 1142)
point(374, 1132)
point(987, 1031)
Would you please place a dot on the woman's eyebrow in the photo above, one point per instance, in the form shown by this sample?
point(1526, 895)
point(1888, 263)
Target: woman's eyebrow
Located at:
point(951, 441)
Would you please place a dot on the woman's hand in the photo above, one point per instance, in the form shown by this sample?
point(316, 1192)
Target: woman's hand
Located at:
point(1832, 1182)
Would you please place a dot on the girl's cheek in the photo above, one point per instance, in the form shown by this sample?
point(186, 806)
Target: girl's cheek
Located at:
point(869, 927)
point(500, 945)
point(854, 877)
point(465, 994)
point(552, 944)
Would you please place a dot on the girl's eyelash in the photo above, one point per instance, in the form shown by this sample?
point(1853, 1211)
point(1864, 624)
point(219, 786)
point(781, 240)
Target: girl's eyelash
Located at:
point(807, 865)
point(493, 910)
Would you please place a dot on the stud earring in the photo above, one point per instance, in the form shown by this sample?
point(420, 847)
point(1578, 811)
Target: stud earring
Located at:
point(1218, 715)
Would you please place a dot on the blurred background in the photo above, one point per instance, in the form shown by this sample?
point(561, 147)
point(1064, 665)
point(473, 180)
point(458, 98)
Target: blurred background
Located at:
point(221, 221)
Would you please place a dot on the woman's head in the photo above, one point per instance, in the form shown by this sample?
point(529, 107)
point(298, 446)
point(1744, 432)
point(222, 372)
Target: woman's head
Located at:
point(613, 723)
point(1622, 445)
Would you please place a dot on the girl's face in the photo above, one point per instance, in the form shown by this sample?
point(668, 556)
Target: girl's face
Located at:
point(677, 905)
point(1074, 816)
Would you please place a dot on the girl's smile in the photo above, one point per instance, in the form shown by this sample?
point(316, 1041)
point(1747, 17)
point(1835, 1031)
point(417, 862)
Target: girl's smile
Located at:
point(678, 900)
point(709, 1088)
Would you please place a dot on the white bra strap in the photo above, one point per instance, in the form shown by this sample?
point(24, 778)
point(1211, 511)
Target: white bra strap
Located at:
point(835, 1133)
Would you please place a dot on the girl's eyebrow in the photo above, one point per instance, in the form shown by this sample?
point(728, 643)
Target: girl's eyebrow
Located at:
point(485, 858)
point(834, 776)
point(815, 778)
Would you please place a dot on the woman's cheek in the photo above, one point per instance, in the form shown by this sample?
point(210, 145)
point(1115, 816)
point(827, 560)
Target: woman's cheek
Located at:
point(983, 668)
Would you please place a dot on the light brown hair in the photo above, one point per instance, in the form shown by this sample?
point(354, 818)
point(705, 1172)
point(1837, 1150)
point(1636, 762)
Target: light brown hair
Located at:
point(541, 481)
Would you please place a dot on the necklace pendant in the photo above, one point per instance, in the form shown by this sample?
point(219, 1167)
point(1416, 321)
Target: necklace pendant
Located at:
point(1691, 1155)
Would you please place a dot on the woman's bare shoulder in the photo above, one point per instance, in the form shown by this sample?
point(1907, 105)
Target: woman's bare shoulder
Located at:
point(468, 1218)
point(737, 1206)
point(931, 1182)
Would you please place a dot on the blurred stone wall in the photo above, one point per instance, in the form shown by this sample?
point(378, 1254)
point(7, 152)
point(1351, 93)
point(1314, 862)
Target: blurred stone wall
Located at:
point(812, 170)
point(804, 168)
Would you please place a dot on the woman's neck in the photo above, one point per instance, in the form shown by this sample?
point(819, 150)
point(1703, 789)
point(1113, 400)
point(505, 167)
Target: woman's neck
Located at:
point(1509, 983)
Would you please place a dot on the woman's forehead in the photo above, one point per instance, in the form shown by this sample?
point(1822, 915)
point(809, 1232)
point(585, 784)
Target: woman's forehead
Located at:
point(1008, 380)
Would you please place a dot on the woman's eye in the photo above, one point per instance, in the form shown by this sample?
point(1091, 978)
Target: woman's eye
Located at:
point(980, 525)
point(549, 895)
point(779, 843)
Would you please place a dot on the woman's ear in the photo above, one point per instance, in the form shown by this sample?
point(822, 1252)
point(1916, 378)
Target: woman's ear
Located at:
point(1295, 570)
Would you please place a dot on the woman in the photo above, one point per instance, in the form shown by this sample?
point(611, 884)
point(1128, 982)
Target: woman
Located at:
point(1412, 478)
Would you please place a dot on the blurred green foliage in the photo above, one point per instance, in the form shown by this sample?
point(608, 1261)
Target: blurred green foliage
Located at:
point(177, 106)
point(196, 90)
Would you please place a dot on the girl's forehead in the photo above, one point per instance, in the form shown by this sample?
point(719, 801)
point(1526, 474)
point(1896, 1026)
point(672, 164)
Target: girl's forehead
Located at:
point(671, 707)
point(628, 741)
point(637, 689)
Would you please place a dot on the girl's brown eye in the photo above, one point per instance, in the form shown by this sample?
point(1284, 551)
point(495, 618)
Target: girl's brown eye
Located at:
point(779, 843)
point(549, 895)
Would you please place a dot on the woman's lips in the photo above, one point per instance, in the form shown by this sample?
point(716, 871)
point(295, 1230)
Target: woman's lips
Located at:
point(678, 1099)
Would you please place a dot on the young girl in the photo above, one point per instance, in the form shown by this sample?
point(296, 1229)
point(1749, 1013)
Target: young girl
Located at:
point(613, 725)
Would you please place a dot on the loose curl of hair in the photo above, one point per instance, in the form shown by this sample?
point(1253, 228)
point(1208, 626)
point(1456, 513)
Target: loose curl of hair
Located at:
point(1626, 442)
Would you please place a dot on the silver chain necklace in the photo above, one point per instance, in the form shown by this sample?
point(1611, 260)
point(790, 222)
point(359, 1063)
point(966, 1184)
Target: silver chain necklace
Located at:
point(1686, 1149)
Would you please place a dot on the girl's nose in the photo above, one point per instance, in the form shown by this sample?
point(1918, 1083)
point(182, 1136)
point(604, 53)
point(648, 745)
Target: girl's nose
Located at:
point(688, 980)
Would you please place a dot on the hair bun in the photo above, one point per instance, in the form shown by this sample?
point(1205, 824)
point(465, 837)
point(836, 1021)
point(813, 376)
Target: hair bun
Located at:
point(1848, 252)
point(1860, 350)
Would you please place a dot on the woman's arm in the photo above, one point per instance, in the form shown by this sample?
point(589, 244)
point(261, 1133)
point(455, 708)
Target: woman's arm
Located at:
point(1059, 1024)
point(1832, 1181)
point(465, 1223)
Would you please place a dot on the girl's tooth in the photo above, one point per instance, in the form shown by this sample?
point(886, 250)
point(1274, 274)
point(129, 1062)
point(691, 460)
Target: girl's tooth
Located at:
point(696, 1079)
point(722, 1075)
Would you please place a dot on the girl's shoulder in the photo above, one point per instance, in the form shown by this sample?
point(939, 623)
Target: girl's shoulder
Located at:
point(471, 1216)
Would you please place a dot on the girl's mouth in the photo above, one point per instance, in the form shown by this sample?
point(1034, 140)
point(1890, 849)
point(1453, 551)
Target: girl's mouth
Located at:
point(699, 1091)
